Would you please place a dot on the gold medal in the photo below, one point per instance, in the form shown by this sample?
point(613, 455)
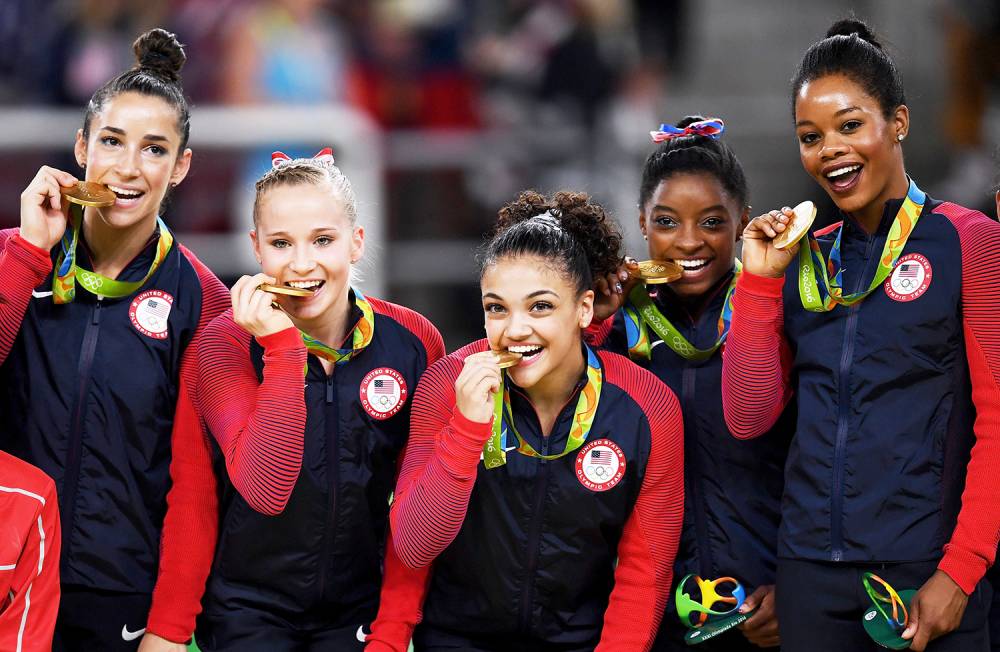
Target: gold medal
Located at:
point(286, 289)
point(797, 227)
point(654, 272)
point(503, 359)
point(88, 193)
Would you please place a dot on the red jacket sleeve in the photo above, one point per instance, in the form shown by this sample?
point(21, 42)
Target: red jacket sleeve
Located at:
point(973, 543)
point(756, 360)
point(22, 267)
point(190, 526)
point(439, 469)
point(260, 427)
point(29, 618)
point(649, 541)
point(401, 602)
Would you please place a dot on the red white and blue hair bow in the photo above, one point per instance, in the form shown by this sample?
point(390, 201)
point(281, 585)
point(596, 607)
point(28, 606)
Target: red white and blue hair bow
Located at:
point(323, 157)
point(712, 128)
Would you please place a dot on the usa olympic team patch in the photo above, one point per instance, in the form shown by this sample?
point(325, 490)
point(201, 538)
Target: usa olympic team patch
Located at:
point(910, 278)
point(150, 312)
point(600, 465)
point(383, 392)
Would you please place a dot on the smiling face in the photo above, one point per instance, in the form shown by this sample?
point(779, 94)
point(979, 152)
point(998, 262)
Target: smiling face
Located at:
point(848, 145)
point(692, 220)
point(305, 239)
point(532, 307)
point(133, 147)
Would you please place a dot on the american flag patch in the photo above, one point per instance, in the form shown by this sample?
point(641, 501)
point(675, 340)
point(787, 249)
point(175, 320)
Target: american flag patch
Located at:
point(385, 386)
point(909, 270)
point(602, 457)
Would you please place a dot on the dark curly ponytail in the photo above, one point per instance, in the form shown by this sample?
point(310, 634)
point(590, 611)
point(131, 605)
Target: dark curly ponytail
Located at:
point(159, 59)
point(694, 154)
point(851, 49)
point(567, 229)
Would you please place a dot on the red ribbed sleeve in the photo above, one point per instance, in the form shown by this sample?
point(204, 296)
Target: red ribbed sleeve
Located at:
point(187, 542)
point(973, 544)
point(22, 267)
point(756, 360)
point(260, 427)
point(439, 469)
point(401, 600)
point(649, 541)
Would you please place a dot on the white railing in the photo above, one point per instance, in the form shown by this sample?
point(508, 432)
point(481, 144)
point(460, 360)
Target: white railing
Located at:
point(357, 143)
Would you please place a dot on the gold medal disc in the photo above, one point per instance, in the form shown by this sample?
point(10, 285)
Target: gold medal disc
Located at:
point(799, 225)
point(88, 193)
point(654, 272)
point(286, 289)
point(503, 359)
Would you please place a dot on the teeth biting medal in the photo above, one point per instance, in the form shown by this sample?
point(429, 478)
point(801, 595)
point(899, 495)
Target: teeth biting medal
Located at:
point(654, 272)
point(89, 193)
point(505, 359)
point(286, 289)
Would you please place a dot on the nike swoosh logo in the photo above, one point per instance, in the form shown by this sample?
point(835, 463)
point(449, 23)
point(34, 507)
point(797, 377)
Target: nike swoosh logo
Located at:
point(506, 450)
point(361, 636)
point(41, 295)
point(131, 636)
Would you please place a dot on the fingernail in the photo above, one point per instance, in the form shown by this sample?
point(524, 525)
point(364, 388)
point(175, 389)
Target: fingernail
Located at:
point(618, 288)
point(744, 608)
point(623, 275)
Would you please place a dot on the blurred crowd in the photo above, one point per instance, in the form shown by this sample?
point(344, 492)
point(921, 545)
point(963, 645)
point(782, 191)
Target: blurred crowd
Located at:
point(560, 92)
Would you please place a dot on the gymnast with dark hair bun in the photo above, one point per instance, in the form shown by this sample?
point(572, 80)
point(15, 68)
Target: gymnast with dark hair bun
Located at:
point(693, 206)
point(883, 334)
point(100, 315)
point(542, 482)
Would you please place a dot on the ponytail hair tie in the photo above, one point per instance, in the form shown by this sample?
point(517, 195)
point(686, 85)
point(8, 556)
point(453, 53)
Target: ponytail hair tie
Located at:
point(711, 128)
point(323, 158)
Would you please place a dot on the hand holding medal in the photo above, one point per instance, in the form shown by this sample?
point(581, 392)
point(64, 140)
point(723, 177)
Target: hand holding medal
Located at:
point(480, 382)
point(770, 240)
point(43, 213)
point(253, 309)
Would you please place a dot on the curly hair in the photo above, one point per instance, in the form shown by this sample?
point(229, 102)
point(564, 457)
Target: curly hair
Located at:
point(570, 230)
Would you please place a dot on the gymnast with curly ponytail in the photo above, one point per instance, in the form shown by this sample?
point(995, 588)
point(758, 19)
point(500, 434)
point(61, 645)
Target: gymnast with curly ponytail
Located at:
point(543, 478)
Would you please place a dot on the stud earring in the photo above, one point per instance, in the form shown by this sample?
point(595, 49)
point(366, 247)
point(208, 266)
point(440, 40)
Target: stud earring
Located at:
point(900, 137)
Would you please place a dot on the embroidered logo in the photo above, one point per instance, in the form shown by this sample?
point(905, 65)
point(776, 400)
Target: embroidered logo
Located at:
point(600, 465)
point(149, 313)
point(383, 392)
point(910, 278)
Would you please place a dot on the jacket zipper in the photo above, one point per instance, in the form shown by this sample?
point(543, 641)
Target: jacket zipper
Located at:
point(541, 482)
point(74, 443)
point(844, 408)
point(706, 563)
point(332, 419)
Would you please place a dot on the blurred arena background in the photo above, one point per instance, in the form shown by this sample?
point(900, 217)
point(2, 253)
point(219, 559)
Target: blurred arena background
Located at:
point(442, 110)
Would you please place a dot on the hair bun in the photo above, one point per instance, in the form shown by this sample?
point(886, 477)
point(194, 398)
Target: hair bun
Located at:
point(689, 120)
point(158, 52)
point(851, 26)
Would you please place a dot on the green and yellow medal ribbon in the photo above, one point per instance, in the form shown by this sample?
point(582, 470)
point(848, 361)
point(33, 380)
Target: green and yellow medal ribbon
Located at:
point(361, 336)
point(494, 454)
point(823, 298)
point(67, 273)
point(641, 314)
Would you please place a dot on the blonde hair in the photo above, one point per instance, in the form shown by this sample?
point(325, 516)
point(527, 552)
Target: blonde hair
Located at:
point(302, 171)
